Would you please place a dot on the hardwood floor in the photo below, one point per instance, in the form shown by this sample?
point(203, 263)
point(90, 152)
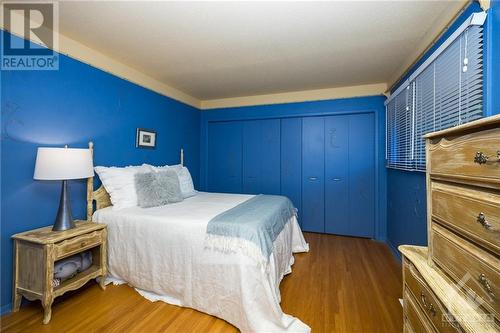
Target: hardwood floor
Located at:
point(343, 284)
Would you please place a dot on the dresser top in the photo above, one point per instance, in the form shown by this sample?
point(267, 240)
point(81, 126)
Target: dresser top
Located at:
point(45, 235)
point(493, 121)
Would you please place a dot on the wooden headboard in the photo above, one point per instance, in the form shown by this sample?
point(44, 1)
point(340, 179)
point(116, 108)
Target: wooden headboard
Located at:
point(101, 196)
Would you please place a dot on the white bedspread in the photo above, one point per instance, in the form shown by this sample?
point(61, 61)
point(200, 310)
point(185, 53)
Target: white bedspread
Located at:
point(160, 251)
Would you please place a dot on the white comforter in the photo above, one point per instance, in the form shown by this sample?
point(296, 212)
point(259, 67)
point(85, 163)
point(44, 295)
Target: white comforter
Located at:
point(160, 251)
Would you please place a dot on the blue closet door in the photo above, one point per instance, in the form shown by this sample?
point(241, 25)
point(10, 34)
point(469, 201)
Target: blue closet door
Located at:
point(313, 171)
point(270, 156)
point(361, 175)
point(291, 161)
point(252, 150)
point(337, 175)
point(261, 156)
point(225, 157)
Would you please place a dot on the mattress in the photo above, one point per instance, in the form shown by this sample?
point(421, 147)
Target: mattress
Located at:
point(161, 252)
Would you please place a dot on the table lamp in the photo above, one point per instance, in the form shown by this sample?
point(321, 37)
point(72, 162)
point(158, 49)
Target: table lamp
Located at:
point(63, 164)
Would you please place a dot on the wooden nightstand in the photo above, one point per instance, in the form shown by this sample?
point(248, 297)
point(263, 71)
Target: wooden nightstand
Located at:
point(36, 251)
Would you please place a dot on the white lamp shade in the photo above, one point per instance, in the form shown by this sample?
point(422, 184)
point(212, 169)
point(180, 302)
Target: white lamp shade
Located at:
point(63, 164)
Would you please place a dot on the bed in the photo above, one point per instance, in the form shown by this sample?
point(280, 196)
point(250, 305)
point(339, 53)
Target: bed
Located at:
point(163, 253)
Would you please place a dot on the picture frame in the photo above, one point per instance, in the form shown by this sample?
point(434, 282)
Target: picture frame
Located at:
point(145, 138)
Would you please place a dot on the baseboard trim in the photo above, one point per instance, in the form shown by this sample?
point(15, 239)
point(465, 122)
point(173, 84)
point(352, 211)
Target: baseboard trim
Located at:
point(394, 250)
point(5, 309)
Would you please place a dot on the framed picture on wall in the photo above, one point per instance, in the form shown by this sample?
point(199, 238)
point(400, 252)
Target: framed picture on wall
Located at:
point(145, 138)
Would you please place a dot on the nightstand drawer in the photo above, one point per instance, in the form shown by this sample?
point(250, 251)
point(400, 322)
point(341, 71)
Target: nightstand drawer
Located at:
point(77, 244)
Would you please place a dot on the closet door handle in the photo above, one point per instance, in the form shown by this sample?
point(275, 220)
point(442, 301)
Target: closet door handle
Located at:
point(313, 178)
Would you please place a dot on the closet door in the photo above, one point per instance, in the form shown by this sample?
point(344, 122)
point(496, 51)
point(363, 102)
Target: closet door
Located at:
point(270, 157)
point(225, 157)
point(261, 156)
point(362, 175)
point(291, 161)
point(350, 175)
point(337, 175)
point(313, 170)
point(252, 133)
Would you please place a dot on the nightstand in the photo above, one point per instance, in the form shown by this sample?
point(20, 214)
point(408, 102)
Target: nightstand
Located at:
point(36, 251)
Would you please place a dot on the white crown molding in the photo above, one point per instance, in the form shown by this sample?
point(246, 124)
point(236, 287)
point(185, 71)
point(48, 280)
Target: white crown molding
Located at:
point(297, 96)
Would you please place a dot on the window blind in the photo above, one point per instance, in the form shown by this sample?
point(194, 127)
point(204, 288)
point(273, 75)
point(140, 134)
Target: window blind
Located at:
point(425, 102)
point(447, 92)
point(399, 125)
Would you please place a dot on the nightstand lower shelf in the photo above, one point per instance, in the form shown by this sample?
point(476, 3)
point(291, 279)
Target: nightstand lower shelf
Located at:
point(79, 280)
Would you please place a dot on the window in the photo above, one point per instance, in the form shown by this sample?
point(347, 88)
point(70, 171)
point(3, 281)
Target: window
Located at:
point(445, 91)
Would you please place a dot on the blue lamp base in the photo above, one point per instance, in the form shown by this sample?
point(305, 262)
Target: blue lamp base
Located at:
point(64, 218)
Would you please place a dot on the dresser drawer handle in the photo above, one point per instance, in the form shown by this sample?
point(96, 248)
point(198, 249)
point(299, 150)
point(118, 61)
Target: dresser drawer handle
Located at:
point(313, 178)
point(429, 307)
point(450, 319)
point(481, 219)
point(481, 158)
point(432, 310)
point(422, 297)
point(486, 284)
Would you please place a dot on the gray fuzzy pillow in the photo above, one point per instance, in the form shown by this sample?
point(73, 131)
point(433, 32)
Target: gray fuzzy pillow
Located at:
point(157, 188)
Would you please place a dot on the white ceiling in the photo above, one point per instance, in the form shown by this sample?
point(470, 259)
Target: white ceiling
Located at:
point(212, 50)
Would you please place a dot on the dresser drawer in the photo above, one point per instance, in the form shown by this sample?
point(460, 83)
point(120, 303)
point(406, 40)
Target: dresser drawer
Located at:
point(77, 244)
point(471, 212)
point(456, 156)
point(475, 269)
point(416, 319)
point(407, 326)
point(427, 301)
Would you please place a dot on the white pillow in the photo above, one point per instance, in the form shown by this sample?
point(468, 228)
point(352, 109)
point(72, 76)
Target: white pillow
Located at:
point(120, 184)
point(185, 180)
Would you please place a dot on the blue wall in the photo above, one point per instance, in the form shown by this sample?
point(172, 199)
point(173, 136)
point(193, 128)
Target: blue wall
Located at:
point(373, 104)
point(71, 106)
point(406, 201)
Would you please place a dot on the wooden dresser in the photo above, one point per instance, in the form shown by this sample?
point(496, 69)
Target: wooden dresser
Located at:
point(453, 284)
